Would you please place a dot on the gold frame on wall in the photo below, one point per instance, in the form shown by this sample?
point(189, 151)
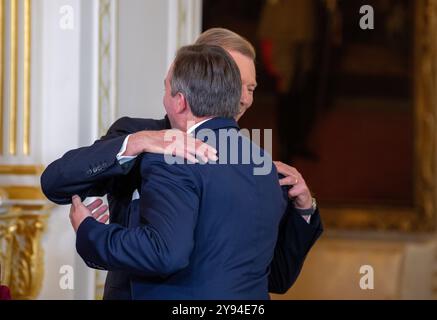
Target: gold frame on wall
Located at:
point(21, 169)
point(23, 256)
point(423, 217)
point(22, 226)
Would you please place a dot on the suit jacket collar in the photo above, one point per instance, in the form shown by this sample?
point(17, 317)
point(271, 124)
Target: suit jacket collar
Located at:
point(213, 124)
point(218, 123)
point(167, 122)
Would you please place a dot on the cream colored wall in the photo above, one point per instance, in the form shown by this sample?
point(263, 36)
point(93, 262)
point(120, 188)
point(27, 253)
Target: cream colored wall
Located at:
point(145, 41)
point(66, 114)
point(150, 32)
point(403, 268)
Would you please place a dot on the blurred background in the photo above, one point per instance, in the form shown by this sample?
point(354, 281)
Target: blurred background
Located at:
point(353, 109)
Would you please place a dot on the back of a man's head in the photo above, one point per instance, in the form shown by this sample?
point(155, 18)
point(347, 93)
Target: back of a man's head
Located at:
point(228, 40)
point(209, 79)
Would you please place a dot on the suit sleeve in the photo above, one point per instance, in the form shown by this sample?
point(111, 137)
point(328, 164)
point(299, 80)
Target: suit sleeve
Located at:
point(295, 239)
point(162, 245)
point(89, 171)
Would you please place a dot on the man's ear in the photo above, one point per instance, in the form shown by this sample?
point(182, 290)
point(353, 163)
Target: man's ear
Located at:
point(182, 103)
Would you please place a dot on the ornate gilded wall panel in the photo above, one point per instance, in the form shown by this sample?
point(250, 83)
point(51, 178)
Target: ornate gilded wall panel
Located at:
point(21, 253)
point(15, 77)
point(107, 64)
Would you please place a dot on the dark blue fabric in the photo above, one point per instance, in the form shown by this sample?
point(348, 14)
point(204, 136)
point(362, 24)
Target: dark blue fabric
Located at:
point(202, 231)
point(70, 175)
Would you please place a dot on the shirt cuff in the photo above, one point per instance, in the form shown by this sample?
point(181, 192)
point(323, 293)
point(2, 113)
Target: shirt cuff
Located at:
point(306, 213)
point(307, 219)
point(124, 159)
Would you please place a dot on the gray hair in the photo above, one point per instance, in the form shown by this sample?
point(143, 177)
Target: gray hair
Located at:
point(209, 79)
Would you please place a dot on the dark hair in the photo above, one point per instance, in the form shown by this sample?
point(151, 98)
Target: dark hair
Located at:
point(228, 40)
point(209, 79)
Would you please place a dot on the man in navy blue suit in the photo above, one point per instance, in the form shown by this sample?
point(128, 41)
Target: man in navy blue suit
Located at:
point(201, 231)
point(97, 170)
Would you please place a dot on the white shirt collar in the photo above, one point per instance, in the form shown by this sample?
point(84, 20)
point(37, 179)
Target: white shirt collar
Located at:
point(191, 129)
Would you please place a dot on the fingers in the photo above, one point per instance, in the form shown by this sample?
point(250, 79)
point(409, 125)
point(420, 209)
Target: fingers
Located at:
point(299, 193)
point(76, 201)
point(101, 215)
point(205, 151)
point(94, 209)
point(100, 211)
point(194, 149)
point(104, 218)
point(182, 153)
point(177, 143)
point(301, 197)
point(292, 176)
point(291, 180)
point(285, 170)
point(95, 204)
point(201, 150)
point(296, 191)
point(190, 157)
point(281, 167)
